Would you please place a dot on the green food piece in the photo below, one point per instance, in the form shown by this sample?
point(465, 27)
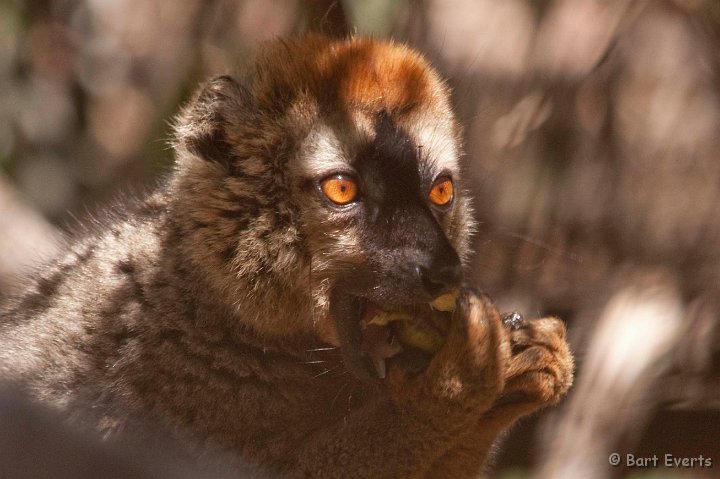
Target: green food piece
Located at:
point(426, 332)
point(383, 318)
point(418, 336)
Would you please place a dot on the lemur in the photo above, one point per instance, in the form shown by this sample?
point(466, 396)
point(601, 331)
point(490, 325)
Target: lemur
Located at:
point(317, 188)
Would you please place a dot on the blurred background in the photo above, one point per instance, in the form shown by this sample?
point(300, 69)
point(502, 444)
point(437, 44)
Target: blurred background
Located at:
point(593, 152)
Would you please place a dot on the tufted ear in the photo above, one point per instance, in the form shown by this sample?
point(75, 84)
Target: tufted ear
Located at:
point(202, 127)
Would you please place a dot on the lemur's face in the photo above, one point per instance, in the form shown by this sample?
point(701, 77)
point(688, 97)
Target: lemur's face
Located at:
point(327, 181)
point(386, 220)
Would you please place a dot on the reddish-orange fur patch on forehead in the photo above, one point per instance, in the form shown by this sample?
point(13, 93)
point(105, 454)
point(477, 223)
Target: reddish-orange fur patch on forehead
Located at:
point(376, 75)
point(361, 73)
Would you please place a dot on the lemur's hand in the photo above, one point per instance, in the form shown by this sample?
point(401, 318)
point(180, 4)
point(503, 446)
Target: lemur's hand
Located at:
point(540, 369)
point(487, 367)
point(467, 375)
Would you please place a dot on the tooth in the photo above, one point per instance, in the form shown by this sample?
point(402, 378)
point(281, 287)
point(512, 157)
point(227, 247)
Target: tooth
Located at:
point(379, 364)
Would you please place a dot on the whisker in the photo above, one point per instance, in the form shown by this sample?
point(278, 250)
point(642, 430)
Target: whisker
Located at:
point(332, 404)
point(349, 402)
point(320, 349)
point(540, 244)
point(325, 372)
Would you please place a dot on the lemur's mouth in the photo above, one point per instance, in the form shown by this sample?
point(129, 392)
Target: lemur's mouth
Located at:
point(372, 334)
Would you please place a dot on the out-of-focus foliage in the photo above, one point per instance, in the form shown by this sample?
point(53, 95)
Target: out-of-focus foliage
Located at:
point(593, 151)
point(89, 86)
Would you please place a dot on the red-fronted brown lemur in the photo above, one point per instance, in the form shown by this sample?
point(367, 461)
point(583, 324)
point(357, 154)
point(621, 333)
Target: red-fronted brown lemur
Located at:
point(232, 304)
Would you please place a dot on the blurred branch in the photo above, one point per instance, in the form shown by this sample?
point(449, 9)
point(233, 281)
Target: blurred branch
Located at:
point(694, 382)
point(615, 393)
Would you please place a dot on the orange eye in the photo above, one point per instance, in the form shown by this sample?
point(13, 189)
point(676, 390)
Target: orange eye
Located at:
point(441, 193)
point(339, 189)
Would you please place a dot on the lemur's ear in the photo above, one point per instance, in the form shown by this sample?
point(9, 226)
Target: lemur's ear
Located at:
point(201, 128)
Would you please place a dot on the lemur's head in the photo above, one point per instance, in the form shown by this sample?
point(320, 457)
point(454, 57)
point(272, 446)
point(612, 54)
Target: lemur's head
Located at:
point(325, 183)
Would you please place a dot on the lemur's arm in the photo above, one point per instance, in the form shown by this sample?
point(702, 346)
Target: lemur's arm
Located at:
point(538, 374)
point(443, 422)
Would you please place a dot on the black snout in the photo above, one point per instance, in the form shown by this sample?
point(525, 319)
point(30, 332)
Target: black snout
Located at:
point(440, 276)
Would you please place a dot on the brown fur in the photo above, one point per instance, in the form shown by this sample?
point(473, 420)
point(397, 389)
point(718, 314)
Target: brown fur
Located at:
point(207, 306)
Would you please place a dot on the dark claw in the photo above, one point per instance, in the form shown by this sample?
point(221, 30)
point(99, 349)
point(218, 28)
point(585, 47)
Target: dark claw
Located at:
point(513, 320)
